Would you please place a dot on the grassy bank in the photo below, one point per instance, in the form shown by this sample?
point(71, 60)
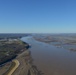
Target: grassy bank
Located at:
point(9, 49)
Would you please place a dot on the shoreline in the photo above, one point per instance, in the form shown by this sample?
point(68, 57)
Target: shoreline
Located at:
point(26, 66)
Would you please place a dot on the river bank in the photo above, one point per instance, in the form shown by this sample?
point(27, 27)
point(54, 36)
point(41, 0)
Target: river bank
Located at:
point(9, 50)
point(25, 67)
point(66, 42)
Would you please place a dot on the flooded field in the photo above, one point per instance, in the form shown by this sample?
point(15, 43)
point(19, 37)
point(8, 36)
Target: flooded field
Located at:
point(51, 60)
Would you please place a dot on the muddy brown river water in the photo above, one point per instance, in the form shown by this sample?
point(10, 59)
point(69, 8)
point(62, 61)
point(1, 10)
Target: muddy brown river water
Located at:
point(51, 60)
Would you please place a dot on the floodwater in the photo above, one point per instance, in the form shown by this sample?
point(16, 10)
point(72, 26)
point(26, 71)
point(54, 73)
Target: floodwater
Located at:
point(51, 60)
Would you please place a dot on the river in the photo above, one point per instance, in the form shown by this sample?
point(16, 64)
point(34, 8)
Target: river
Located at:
point(51, 60)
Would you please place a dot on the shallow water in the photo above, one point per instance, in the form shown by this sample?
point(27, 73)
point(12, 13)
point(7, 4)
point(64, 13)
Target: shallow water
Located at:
point(51, 60)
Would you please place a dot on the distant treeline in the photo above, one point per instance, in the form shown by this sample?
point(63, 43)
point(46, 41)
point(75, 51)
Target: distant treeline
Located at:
point(13, 35)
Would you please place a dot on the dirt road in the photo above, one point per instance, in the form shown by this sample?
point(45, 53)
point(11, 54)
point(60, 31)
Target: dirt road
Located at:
point(15, 67)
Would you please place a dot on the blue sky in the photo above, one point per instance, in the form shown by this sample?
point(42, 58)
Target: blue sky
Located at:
point(37, 16)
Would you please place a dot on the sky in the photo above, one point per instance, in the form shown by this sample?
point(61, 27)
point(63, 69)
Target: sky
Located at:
point(37, 16)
